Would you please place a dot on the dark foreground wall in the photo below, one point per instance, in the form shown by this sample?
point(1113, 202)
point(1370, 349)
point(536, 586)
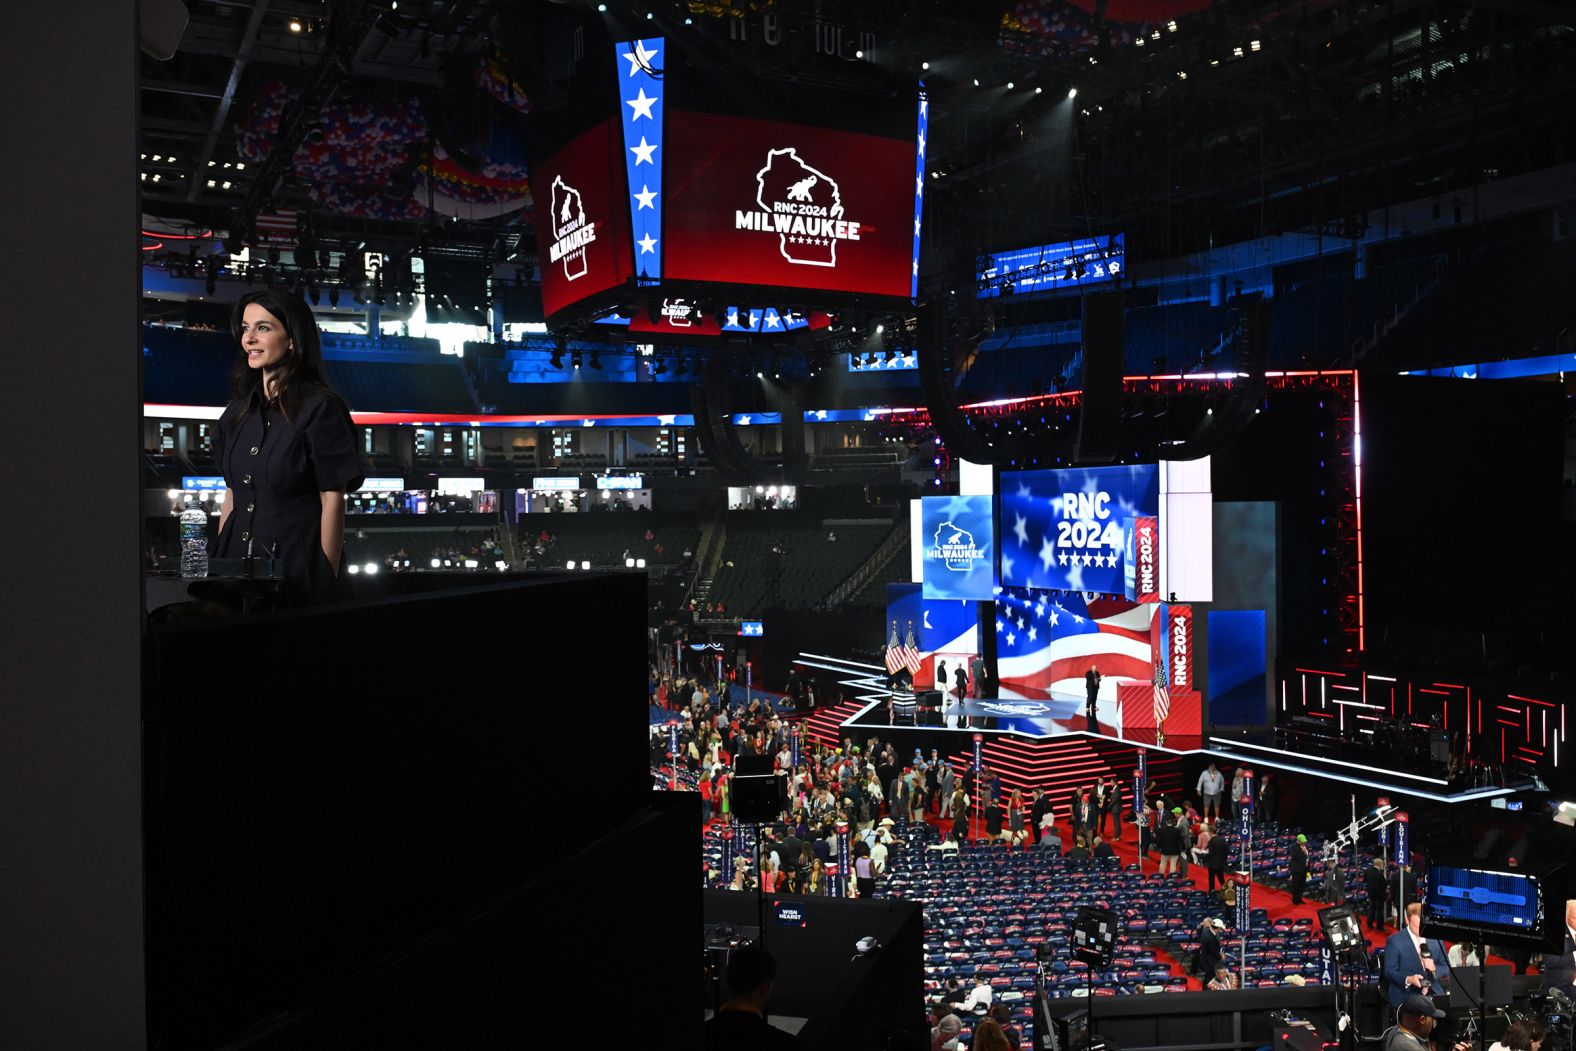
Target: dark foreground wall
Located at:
point(849, 1001)
point(324, 787)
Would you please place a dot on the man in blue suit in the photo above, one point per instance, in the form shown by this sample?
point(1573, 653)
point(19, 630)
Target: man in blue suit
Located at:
point(1407, 968)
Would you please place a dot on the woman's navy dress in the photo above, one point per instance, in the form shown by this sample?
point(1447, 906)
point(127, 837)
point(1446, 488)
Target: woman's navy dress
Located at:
point(275, 469)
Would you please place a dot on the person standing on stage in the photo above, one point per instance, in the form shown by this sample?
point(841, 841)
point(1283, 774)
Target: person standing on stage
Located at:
point(1092, 689)
point(287, 448)
point(1015, 810)
point(1211, 786)
point(1298, 863)
point(960, 680)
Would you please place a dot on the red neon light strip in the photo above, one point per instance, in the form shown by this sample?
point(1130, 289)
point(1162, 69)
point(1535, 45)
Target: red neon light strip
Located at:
point(1442, 693)
point(1531, 700)
point(1338, 686)
point(1452, 685)
point(1507, 708)
point(1316, 671)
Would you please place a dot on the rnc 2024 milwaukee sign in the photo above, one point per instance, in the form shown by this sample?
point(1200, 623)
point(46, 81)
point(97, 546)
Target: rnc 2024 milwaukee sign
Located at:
point(959, 547)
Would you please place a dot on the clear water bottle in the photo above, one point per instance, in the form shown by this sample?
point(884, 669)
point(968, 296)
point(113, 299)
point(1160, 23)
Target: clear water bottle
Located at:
point(194, 541)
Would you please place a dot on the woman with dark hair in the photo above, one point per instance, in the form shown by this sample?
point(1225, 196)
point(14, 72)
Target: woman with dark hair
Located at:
point(286, 446)
point(988, 1036)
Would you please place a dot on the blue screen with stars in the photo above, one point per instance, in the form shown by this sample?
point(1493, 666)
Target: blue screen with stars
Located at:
point(1065, 529)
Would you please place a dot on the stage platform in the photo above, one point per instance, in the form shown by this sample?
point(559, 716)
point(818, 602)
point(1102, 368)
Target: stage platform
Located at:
point(1064, 717)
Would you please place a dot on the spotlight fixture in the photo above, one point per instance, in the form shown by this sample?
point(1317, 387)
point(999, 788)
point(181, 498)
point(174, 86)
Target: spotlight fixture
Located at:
point(1072, 93)
point(976, 81)
point(924, 65)
point(295, 25)
point(1009, 85)
point(574, 359)
point(1038, 91)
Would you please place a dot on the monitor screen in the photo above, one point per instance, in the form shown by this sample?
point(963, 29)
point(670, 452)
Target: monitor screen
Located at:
point(1484, 901)
point(1044, 268)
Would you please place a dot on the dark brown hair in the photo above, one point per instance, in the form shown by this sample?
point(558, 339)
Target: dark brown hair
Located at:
point(301, 370)
point(989, 1037)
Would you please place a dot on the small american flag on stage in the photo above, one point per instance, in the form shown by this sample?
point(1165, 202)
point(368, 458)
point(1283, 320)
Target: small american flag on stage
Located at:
point(1162, 694)
point(1047, 640)
point(894, 653)
point(911, 658)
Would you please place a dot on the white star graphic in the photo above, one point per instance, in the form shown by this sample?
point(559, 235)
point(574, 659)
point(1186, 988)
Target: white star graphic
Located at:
point(773, 321)
point(921, 144)
point(924, 107)
point(1032, 631)
point(1047, 552)
point(641, 104)
point(916, 227)
point(590, 423)
point(639, 58)
point(1053, 618)
point(645, 197)
point(820, 414)
point(1087, 558)
point(1023, 491)
point(643, 152)
point(648, 244)
point(1006, 564)
point(1077, 619)
point(1020, 529)
point(1020, 623)
point(1061, 559)
point(1012, 640)
point(744, 421)
point(733, 319)
point(916, 268)
point(755, 318)
point(919, 186)
point(1000, 627)
point(665, 421)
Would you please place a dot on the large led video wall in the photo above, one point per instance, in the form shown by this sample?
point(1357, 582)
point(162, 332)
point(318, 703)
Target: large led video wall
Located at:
point(1069, 529)
point(1043, 268)
point(582, 226)
point(721, 179)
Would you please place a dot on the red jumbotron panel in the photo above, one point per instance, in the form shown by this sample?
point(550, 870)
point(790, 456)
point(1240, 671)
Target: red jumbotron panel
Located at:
point(582, 219)
point(759, 202)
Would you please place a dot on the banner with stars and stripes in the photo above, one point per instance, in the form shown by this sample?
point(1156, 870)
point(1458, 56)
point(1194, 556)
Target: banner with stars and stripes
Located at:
point(1046, 643)
point(638, 66)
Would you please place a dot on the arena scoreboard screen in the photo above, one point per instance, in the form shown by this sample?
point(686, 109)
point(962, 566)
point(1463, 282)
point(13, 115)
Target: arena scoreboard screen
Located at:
point(664, 182)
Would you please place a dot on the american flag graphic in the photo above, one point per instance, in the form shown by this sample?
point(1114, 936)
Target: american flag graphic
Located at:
point(1046, 642)
point(1162, 694)
point(911, 658)
point(894, 653)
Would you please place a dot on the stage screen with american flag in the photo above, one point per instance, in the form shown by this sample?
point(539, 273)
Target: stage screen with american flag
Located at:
point(1047, 641)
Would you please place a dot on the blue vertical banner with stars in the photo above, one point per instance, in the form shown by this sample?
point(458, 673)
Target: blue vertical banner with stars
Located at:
point(959, 547)
point(639, 71)
point(919, 182)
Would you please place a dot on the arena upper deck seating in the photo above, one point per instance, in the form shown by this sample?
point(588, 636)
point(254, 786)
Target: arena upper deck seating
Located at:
point(783, 560)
